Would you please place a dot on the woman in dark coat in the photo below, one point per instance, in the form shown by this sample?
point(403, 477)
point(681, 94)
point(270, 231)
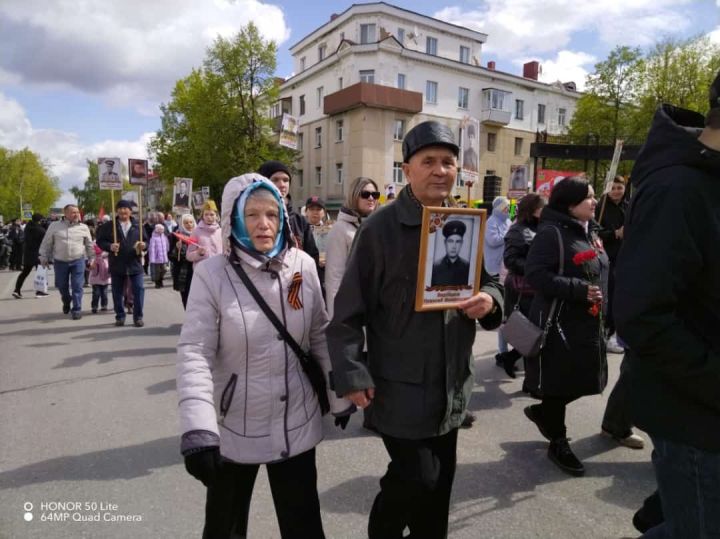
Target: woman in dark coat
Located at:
point(34, 234)
point(182, 268)
point(573, 362)
point(518, 293)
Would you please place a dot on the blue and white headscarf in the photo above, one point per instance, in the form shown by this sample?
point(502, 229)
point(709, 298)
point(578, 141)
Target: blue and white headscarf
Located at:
point(239, 230)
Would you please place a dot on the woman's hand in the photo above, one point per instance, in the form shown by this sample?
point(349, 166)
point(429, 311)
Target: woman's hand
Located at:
point(361, 398)
point(594, 294)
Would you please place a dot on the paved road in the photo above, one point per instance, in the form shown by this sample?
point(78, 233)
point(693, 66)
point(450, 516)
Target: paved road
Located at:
point(87, 415)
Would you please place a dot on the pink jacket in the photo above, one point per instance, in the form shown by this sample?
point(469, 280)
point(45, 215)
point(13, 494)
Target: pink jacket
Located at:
point(207, 236)
point(100, 274)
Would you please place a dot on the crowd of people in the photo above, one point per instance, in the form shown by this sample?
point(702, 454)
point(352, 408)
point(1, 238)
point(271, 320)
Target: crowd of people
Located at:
point(283, 325)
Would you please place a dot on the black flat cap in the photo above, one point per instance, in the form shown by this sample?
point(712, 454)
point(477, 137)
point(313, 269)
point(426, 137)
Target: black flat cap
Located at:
point(122, 203)
point(454, 228)
point(428, 134)
point(715, 93)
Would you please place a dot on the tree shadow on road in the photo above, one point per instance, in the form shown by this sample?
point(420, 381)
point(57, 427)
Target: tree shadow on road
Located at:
point(107, 465)
point(109, 355)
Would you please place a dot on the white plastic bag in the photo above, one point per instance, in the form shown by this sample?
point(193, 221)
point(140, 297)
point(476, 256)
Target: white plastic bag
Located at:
point(40, 282)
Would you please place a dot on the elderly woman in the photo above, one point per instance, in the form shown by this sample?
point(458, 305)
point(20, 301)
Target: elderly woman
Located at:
point(573, 362)
point(360, 202)
point(245, 399)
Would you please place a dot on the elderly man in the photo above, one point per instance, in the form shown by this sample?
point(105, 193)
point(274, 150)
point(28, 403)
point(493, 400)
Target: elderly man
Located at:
point(68, 244)
point(419, 368)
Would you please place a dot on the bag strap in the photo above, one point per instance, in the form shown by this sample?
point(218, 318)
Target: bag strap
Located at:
point(299, 352)
point(561, 268)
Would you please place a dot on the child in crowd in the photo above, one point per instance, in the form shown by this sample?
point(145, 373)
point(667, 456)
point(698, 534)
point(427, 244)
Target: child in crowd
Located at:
point(207, 235)
point(158, 249)
point(99, 279)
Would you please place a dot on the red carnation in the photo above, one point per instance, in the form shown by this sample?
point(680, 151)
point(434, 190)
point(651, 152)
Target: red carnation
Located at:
point(584, 256)
point(594, 309)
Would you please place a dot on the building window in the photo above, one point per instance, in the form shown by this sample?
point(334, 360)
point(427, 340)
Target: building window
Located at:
point(322, 49)
point(319, 93)
point(339, 131)
point(397, 172)
point(275, 110)
point(302, 105)
point(299, 176)
point(496, 99)
point(518, 145)
point(301, 141)
point(463, 97)
point(339, 172)
point(562, 113)
point(318, 137)
point(431, 88)
point(340, 83)
point(367, 33)
point(399, 130)
point(464, 54)
point(318, 175)
point(431, 45)
point(302, 64)
point(367, 75)
point(401, 35)
point(519, 109)
point(541, 114)
point(492, 140)
point(401, 81)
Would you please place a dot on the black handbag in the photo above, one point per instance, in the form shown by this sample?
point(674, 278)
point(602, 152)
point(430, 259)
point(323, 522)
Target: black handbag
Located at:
point(523, 334)
point(309, 364)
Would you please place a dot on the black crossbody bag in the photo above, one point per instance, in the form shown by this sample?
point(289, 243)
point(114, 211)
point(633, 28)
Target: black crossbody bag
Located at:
point(309, 364)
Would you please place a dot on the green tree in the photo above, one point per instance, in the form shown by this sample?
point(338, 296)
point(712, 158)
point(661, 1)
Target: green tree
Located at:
point(216, 125)
point(25, 179)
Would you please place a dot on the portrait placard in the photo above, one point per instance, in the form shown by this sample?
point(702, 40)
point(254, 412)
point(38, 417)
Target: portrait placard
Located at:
point(109, 173)
point(450, 263)
point(198, 199)
point(138, 171)
point(182, 189)
point(470, 149)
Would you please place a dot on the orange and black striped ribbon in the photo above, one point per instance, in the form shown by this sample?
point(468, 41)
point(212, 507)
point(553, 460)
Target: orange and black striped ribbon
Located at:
point(294, 292)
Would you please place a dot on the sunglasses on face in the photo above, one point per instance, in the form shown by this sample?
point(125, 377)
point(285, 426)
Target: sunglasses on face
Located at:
point(368, 194)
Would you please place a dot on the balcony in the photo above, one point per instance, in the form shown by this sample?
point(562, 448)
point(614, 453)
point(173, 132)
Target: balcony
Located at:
point(495, 107)
point(494, 117)
point(364, 94)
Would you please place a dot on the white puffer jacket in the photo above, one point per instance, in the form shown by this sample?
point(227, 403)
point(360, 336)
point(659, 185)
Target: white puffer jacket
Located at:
point(236, 376)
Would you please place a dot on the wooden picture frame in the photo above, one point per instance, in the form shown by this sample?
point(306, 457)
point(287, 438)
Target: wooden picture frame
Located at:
point(451, 257)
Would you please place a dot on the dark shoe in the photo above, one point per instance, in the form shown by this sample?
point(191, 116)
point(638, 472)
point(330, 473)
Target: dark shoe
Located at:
point(120, 322)
point(468, 420)
point(560, 453)
point(41, 294)
point(17, 294)
point(76, 315)
point(650, 514)
point(531, 412)
point(138, 323)
point(66, 308)
point(104, 308)
point(129, 309)
point(509, 359)
point(94, 311)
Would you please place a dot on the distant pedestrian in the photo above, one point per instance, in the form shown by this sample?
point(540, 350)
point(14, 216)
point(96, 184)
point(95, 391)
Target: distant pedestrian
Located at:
point(125, 261)
point(16, 235)
point(68, 245)
point(182, 267)
point(99, 280)
point(206, 235)
point(158, 249)
point(34, 234)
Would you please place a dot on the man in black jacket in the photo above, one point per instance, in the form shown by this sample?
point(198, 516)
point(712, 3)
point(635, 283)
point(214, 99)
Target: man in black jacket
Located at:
point(667, 310)
point(418, 371)
point(34, 233)
point(125, 261)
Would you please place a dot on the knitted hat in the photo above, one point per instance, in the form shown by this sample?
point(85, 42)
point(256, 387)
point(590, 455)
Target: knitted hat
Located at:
point(268, 168)
point(210, 206)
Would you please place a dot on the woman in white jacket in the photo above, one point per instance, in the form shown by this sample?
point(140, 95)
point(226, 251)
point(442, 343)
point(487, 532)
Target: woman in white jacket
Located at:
point(244, 398)
point(360, 202)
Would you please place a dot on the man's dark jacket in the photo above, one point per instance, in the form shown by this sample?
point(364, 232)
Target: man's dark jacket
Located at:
point(127, 261)
point(613, 218)
point(448, 273)
point(34, 234)
point(667, 296)
point(302, 231)
point(420, 363)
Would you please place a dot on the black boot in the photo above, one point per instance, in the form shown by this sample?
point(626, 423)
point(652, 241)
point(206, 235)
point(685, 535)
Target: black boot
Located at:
point(533, 414)
point(508, 362)
point(650, 514)
point(560, 453)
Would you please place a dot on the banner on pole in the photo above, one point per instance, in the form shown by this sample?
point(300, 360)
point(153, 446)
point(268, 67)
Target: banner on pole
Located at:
point(470, 149)
point(138, 171)
point(613, 165)
point(109, 173)
point(288, 131)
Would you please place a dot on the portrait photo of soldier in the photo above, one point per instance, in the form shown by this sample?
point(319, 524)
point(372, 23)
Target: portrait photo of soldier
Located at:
point(451, 269)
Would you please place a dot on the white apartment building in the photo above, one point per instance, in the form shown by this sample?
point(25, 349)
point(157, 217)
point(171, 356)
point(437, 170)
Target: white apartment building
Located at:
point(372, 72)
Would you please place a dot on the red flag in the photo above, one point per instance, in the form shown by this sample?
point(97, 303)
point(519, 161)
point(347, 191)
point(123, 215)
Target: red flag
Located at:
point(186, 239)
point(101, 213)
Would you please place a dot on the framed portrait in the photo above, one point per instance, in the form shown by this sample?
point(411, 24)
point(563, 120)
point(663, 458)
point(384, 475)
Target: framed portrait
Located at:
point(138, 171)
point(182, 190)
point(450, 263)
point(198, 199)
point(109, 173)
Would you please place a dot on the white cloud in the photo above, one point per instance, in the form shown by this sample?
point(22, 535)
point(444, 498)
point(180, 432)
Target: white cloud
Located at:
point(566, 66)
point(63, 152)
point(130, 52)
point(516, 27)
point(715, 34)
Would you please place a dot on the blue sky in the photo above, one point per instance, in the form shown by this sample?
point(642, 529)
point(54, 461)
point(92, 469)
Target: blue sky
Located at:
point(72, 95)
